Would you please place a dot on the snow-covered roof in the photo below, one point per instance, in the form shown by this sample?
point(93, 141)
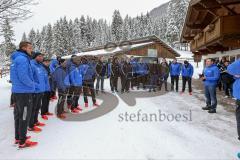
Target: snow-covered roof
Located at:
point(185, 54)
point(106, 52)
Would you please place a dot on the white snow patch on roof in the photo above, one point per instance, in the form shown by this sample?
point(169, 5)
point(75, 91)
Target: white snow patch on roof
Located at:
point(185, 54)
point(106, 52)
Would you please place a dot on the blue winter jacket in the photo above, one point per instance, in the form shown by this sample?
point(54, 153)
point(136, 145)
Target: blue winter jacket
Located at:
point(46, 77)
point(39, 76)
point(21, 74)
point(75, 75)
point(109, 67)
point(61, 78)
point(187, 71)
point(88, 71)
point(175, 69)
point(212, 75)
point(142, 69)
point(53, 65)
point(134, 66)
point(234, 69)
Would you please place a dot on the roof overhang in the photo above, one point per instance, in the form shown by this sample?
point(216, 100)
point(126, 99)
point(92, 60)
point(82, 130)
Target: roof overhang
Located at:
point(202, 12)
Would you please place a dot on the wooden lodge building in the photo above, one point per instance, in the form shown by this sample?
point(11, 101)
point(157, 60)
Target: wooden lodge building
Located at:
point(212, 27)
point(150, 46)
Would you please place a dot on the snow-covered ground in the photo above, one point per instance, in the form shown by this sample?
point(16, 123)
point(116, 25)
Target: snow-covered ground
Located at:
point(203, 136)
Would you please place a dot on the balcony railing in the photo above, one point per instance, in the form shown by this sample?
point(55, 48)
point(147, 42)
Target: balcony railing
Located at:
point(223, 26)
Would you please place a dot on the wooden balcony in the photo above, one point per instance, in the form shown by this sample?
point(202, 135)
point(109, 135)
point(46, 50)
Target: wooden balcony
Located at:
point(223, 30)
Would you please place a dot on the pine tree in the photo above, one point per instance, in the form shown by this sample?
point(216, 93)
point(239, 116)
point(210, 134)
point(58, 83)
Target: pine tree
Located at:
point(84, 29)
point(48, 40)
point(32, 38)
point(65, 36)
point(8, 35)
point(38, 41)
point(126, 28)
point(57, 39)
point(89, 32)
point(71, 44)
point(176, 14)
point(24, 37)
point(116, 26)
point(77, 38)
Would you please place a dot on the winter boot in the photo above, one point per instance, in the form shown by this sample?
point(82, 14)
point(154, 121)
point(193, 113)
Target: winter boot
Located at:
point(212, 111)
point(96, 105)
point(206, 108)
point(35, 129)
point(44, 117)
point(74, 110)
point(28, 143)
point(79, 108)
point(49, 114)
point(40, 124)
point(61, 116)
point(18, 141)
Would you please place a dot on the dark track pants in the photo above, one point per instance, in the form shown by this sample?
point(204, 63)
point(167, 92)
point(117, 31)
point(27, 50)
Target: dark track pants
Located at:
point(22, 114)
point(36, 107)
point(134, 80)
point(70, 95)
point(173, 80)
point(142, 79)
point(114, 83)
point(61, 101)
point(185, 80)
point(125, 81)
point(163, 79)
point(45, 103)
point(153, 82)
point(100, 80)
point(89, 86)
point(73, 96)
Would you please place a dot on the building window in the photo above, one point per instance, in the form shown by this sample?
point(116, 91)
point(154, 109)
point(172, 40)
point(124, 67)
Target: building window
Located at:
point(152, 53)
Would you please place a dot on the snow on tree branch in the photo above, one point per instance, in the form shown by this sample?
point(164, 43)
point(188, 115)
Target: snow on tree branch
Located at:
point(15, 10)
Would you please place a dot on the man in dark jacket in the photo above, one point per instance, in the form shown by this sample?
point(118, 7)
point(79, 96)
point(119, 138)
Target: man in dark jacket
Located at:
point(61, 79)
point(133, 62)
point(101, 71)
point(227, 80)
point(164, 74)
point(53, 65)
point(126, 76)
point(154, 71)
point(23, 87)
point(115, 73)
point(46, 96)
point(89, 74)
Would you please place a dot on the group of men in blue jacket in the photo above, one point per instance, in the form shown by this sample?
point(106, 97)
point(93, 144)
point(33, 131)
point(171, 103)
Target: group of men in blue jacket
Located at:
point(34, 81)
point(30, 90)
point(186, 70)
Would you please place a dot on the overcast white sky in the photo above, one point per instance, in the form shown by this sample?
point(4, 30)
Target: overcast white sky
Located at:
point(48, 11)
